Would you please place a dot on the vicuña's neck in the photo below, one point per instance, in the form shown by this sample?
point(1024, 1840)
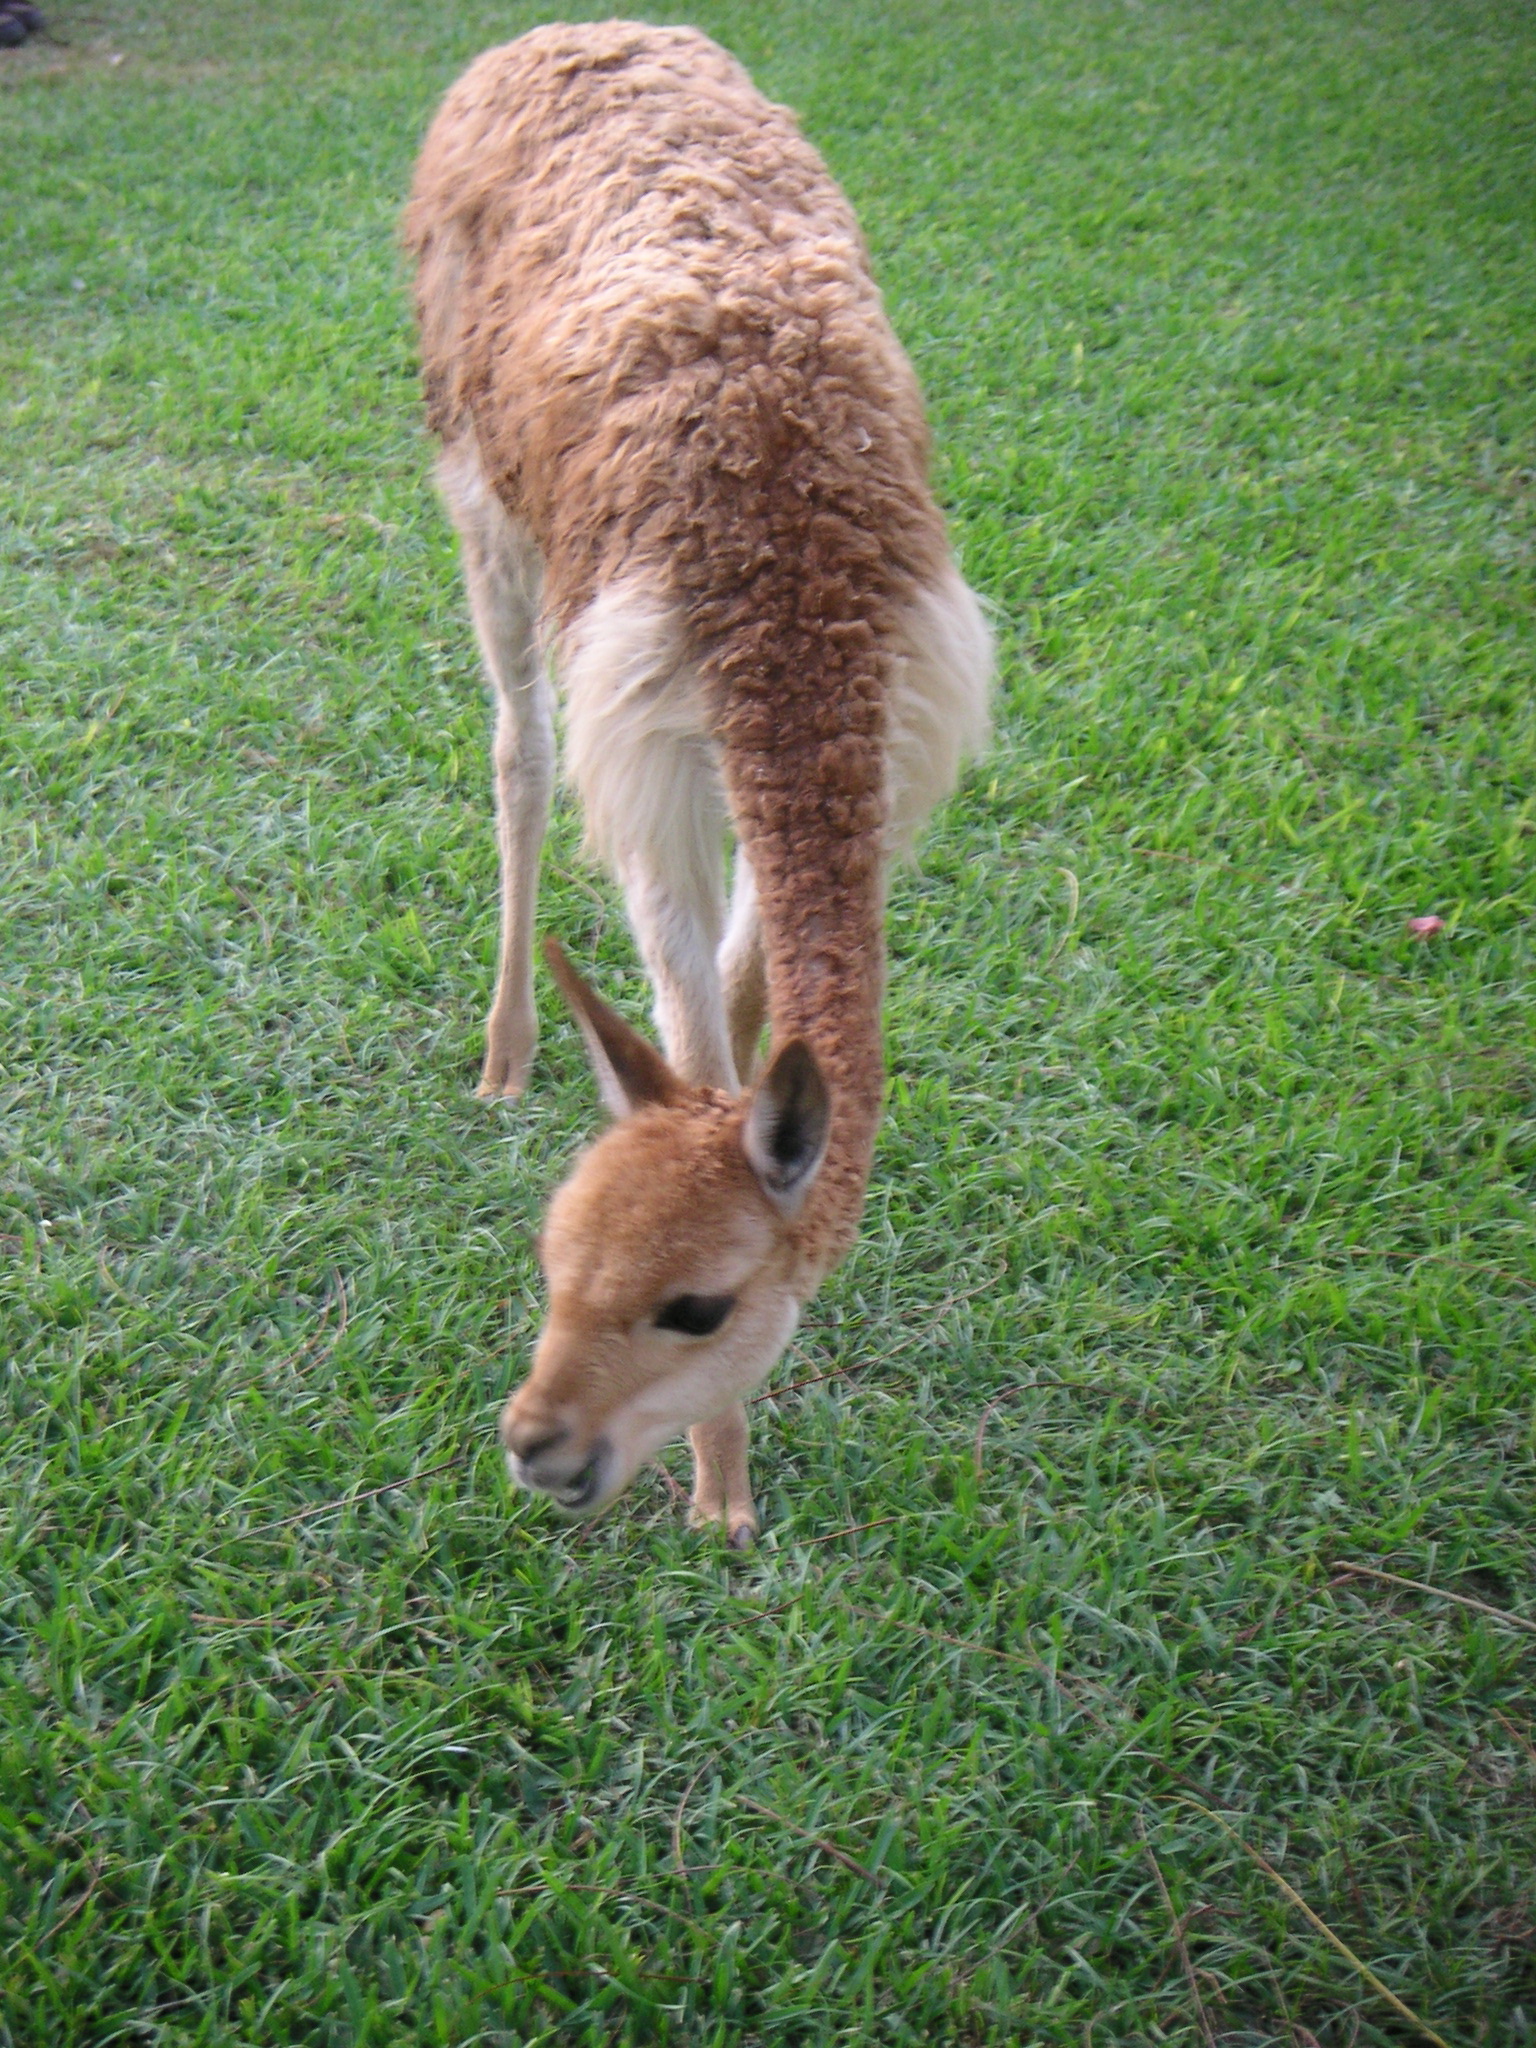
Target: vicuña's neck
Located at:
point(810, 811)
point(826, 977)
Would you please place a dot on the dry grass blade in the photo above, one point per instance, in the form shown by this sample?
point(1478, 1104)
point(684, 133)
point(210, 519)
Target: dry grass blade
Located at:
point(830, 1848)
point(1202, 2019)
point(348, 1500)
point(1074, 896)
point(677, 1818)
point(838, 1372)
point(1384, 1991)
point(981, 1428)
point(675, 1489)
point(1371, 1571)
point(1519, 1734)
point(853, 1529)
point(80, 1904)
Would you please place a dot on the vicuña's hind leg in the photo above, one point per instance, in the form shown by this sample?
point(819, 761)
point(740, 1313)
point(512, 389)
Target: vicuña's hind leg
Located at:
point(722, 1490)
point(502, 572)
point(743, 975)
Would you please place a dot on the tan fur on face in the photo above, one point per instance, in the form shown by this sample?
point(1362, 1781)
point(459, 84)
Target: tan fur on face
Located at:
point(602, 1368)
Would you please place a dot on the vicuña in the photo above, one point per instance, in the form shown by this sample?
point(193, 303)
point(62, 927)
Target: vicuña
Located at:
point(688, 463)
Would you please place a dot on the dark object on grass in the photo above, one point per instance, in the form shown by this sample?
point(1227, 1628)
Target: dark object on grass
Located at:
point(18, 20)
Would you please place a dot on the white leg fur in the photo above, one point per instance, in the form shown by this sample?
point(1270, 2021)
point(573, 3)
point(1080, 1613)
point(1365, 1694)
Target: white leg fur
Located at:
point(743, 973)
point(640, 754)
point(502, 572)
point(941, 677)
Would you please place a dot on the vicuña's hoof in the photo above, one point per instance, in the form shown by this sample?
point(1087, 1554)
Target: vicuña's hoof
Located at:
point(505, 1073)
point(510, 1043)
point(501, 1087)
point(739, 1530)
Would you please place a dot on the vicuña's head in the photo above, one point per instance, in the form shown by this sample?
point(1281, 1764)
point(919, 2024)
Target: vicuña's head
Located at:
point(671, 1257)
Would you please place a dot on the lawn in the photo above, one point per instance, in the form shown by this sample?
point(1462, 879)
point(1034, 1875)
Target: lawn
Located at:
point(1200, 1257)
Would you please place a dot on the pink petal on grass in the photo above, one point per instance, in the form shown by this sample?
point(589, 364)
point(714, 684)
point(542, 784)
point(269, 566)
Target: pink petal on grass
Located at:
point(1425, 927)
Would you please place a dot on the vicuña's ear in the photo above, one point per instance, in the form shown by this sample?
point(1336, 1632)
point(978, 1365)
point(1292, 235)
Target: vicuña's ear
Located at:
point(785, 1135)
point(630, 1071)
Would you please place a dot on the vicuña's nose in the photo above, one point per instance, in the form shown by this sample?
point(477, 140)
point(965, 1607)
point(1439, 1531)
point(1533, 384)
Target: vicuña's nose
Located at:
point(532, 1438)
point(559, 1458)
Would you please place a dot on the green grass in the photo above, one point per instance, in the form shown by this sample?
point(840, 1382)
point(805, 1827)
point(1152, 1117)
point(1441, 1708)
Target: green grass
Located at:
point(1200, 1256)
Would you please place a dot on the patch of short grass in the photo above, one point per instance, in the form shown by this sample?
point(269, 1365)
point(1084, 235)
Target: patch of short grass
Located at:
point(1200, 1257)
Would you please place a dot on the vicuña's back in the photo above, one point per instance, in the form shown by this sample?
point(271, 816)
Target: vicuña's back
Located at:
point(688, 459)
point(641, 288)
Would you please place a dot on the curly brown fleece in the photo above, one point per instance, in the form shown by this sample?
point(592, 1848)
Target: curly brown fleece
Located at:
point(642, 292)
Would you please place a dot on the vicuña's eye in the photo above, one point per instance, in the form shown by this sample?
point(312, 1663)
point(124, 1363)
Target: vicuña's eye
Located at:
point(695, 1315)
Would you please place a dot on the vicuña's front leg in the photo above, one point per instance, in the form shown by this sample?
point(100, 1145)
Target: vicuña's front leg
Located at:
point(524, 752)
point(743, 975)
point(722, 1489)
point(674, 892)
point(502, 573)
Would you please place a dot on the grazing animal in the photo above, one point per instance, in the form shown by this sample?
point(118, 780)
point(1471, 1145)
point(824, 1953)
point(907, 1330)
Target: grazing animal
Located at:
point(687, 460)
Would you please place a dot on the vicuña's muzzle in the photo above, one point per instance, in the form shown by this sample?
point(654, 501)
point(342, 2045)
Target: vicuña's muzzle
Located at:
point(550, 1454)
